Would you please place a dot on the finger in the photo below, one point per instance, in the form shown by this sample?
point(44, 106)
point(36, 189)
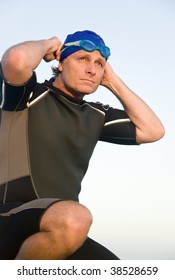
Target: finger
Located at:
point(49, 57)
point(57, 55)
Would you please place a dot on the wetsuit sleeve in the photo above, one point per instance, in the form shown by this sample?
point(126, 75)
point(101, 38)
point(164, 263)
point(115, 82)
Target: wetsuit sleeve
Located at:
point(118, 128)
point(15, 98)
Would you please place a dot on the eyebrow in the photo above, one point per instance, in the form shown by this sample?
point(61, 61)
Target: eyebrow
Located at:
point(85, 53)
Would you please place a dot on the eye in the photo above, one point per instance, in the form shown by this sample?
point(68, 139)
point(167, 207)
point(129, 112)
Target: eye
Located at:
point(82, 58)
point(99, 63)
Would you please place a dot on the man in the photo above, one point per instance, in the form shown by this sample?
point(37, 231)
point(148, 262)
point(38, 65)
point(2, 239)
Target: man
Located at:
point(48, 134)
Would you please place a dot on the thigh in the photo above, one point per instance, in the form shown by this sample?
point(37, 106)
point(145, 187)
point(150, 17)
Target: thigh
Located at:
point(14, 229)
point(18, 221)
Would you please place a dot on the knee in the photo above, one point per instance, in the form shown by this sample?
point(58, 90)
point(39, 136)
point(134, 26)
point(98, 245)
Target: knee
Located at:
point(79, 220)
point(68, 219)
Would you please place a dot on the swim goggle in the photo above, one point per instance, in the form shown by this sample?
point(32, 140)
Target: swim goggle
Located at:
point(89, 46)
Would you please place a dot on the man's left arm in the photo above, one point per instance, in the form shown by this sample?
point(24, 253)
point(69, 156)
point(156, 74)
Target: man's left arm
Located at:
point(148, 126)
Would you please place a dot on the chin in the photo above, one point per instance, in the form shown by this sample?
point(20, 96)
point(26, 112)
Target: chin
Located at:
point(88, 91)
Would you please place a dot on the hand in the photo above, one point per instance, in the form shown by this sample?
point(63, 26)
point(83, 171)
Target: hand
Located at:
point(53, 50)
point(107, 76)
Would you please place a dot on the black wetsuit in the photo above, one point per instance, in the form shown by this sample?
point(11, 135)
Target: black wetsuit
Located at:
point(46, 141)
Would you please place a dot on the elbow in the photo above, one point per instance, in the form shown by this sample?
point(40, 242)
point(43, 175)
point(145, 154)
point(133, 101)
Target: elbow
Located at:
point(159, 132)
point(13, 59)
point(152, 135)
point(14, 66)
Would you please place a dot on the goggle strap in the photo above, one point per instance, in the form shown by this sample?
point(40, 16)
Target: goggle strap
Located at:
point(76, 43)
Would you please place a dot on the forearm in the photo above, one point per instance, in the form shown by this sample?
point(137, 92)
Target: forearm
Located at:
point(19, 61)
point(148, 126)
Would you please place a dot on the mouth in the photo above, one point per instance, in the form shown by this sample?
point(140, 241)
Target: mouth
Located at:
point(88, 81)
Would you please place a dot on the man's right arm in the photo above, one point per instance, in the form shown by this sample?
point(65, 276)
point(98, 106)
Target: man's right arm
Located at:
point(19, 61)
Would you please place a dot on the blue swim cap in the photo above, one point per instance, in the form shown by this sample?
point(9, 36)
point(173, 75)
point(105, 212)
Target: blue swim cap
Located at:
point(77, 36)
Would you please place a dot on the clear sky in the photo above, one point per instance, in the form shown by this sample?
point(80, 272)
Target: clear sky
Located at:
point(129, 190)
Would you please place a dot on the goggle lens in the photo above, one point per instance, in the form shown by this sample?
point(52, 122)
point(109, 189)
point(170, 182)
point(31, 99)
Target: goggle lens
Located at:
point(89, 46)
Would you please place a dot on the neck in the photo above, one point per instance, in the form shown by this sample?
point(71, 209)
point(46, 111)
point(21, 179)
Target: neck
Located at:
point(60, 85)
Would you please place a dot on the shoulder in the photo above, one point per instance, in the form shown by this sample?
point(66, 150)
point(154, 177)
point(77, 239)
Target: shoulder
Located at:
point(99, 106)
point(108, 110)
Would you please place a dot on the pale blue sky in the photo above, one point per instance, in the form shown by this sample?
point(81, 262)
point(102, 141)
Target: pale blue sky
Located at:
point(130, 190)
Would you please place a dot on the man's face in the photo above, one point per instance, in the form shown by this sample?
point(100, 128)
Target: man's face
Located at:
point(81, 73)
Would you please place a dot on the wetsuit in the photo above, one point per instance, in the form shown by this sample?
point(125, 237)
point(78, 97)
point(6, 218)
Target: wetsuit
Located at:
point(46, 141)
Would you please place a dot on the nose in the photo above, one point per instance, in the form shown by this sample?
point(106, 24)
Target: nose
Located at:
point(90, 68)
